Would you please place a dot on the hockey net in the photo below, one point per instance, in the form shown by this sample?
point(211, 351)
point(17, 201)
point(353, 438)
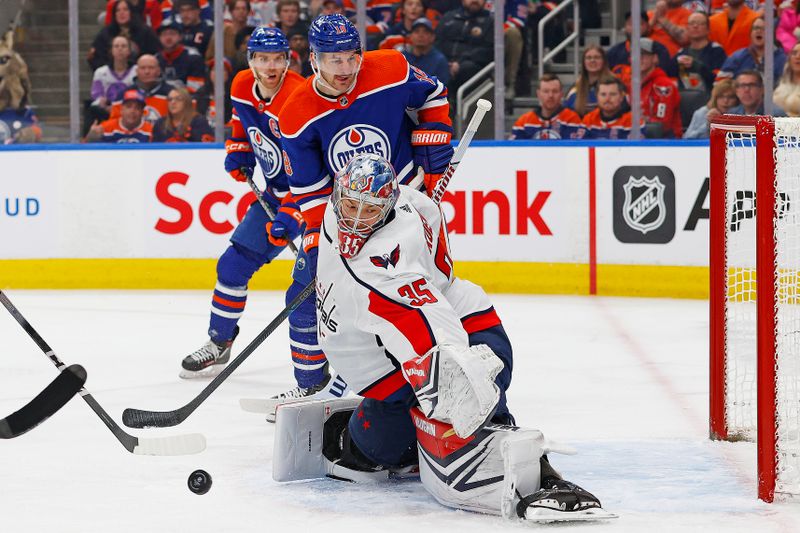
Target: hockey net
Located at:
point(755, 327)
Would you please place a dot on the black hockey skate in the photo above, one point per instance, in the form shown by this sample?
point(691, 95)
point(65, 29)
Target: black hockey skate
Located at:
point(208, 360)
point(560, 500)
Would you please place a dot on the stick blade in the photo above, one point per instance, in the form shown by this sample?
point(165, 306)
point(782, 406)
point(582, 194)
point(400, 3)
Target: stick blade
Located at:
point(137, 418)
point(68, 383)
point(175, 445)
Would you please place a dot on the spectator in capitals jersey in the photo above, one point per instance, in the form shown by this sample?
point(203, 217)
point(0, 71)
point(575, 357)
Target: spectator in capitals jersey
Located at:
point(752, 57)
point(126, 23)
point(660, 98)
point(552, 120)
point(182, 123)
point(149, 82)
point(129, 127)
point(179, 62)
point(612, 118)
point(423, 54)
point(582, 97)
point(723, 98)
point(620, 53)
point(701, 60)
point(731, 26)
point(195, 31)
point(668, 24)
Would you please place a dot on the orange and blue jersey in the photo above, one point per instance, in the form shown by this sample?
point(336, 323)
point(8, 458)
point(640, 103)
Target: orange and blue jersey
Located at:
point(255, 121)
point(563, 124)
point(321, 133)
point(617, 126)
point(115, 133)
point(168, 9)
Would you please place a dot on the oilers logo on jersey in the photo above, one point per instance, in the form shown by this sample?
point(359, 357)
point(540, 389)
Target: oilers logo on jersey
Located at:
point(265, 150)
point(357, 139)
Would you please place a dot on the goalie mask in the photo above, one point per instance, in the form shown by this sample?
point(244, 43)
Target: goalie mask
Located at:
point(364, 193)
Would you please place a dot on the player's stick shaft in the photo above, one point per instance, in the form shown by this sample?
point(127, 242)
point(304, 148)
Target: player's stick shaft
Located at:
point(267, 208)
point(461, 149)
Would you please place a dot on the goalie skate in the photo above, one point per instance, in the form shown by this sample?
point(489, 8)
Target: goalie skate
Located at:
point(561, 501)
point(207, 361)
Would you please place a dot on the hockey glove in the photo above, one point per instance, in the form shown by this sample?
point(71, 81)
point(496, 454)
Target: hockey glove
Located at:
point(287, 222)
point(456, 385)
point(432, 151)
point(239, 155)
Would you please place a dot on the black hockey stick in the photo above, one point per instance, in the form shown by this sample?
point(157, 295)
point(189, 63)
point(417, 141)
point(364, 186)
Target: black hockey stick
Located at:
point(137, 418)
point(267, 209)
point(45, 404)
point(174, 445)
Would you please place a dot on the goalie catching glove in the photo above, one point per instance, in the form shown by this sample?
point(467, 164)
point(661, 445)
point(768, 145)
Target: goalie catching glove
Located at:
point(432, 151)
point(239, 159)
point(456, 385)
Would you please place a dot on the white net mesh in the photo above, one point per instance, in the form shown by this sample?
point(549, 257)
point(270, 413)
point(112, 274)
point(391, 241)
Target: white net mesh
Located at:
point(740, 307)
point(787, 305)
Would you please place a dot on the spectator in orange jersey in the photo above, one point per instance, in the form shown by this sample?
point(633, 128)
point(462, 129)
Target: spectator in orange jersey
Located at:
point(129, 127)
point(150, 83)
point(552, 120)
point(182, 123)
point(668, 24)
point(661, 101)
point(731, 27)
point(612, 118)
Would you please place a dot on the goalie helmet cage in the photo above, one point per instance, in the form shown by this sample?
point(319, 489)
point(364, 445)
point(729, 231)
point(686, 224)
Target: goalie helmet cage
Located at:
point(755, 327)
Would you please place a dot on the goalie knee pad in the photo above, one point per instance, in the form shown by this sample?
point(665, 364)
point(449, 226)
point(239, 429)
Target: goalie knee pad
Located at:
point(384, 433)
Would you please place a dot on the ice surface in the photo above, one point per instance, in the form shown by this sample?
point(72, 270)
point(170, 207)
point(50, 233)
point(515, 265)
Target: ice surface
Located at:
point(623, 380)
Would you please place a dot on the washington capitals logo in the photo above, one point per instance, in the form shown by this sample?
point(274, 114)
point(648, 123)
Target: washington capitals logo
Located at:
point(663, 90)
point(385, 260)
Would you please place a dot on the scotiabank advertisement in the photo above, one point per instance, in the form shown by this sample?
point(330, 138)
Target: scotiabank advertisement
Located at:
point(506, 202)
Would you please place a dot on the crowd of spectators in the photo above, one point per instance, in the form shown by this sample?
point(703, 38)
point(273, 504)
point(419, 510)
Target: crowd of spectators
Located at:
point(696, 62)
point(694, 65)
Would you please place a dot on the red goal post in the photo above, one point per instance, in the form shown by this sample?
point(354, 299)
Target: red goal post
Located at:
point(755, 327)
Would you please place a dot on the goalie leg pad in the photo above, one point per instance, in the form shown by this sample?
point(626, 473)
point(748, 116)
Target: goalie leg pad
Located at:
point(483, 472)
point(299, 438)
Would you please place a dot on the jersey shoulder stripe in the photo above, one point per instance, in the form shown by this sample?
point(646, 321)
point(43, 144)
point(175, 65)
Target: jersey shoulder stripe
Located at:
point(380, 69)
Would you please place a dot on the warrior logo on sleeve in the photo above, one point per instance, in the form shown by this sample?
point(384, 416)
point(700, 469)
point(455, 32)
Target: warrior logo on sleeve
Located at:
point(266, 151)
point(357, 139)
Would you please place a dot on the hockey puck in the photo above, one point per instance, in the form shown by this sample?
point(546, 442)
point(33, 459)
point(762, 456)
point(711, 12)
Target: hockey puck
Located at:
point(199, 482)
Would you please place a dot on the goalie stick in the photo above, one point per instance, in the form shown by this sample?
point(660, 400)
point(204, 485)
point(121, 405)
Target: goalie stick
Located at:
point(140, 418)
point(173, 445)
point(45, 404)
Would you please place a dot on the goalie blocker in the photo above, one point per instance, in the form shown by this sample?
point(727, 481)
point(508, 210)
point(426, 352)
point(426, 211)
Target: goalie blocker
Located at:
point(501, 470)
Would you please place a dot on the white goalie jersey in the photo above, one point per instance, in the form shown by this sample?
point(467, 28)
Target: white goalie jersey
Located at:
point(396, 299)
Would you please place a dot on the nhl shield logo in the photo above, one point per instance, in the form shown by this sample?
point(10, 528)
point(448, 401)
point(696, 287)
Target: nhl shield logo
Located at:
point(644, 208)
point(644, 204)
